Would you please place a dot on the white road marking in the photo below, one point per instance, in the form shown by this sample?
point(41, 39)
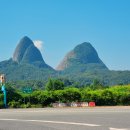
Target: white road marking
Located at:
point(117, 129)
point(54, 122)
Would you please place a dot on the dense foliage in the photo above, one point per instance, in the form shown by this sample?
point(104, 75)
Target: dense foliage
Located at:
point(101, 95)
point(26, 73)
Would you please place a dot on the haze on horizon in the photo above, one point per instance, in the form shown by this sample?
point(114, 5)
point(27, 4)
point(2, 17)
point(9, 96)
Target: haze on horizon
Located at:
point(58, 26)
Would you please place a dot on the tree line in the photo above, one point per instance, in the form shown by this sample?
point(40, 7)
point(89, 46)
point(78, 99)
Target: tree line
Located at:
point(57, 91)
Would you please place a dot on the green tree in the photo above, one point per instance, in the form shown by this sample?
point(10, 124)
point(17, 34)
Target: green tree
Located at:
point(108, 97)
point(71, 94)
point(58, 96)
point(96, 84)
point(1, 100)
point(54, 84)
point(45, 98)
point(12, 94)
point(34, 97)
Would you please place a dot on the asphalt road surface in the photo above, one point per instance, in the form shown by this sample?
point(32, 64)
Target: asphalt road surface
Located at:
point(97, 118)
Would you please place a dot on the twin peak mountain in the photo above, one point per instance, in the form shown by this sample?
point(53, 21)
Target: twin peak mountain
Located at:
point(26, 52)
point(28, 63)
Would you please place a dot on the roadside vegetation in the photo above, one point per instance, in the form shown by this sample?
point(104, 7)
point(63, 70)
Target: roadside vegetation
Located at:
point(56, 90)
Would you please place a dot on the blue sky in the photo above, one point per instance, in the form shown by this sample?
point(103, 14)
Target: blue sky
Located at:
point(63, 24)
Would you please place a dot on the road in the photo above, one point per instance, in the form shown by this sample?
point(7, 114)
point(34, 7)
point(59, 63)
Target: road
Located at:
point(97, 118)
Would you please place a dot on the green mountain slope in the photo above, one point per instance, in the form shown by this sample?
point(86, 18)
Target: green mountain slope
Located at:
point(81, 65)
point(27, 63)
point(82, 58)
point(15, 71)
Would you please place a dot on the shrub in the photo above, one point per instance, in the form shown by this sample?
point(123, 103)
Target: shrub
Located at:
point(1, 104)
point(71, 94)
point(14, 104)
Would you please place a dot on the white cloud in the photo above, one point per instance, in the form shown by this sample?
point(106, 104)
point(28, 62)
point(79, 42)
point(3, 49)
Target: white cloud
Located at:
point(38, 44)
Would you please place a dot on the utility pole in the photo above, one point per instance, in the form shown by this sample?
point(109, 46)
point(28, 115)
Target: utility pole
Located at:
point(2, 80)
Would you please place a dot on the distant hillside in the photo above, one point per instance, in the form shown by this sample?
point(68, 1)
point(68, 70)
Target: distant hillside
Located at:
point(82, 65)
point(27, 63)
point(82, 58)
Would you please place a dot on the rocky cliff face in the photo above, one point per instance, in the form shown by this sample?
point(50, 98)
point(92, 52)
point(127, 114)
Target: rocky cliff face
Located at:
point(82, 56)
point(26, 52)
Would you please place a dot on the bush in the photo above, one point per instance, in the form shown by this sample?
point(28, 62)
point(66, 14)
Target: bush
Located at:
point(45, 98)
point(14, 104)
point(108, 97)
point(71, 95)
point(54, 84)
point(34, 97)
point(125, 99)
point(1, 104)
point(57, 96)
